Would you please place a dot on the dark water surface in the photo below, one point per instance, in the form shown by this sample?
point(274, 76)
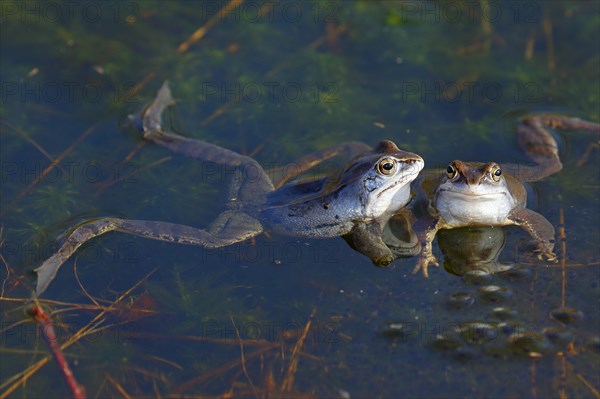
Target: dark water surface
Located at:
point(446, 80)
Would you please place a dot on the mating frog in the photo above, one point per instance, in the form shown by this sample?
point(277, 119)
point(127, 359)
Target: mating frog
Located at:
point(488, 194)
point(355, 204)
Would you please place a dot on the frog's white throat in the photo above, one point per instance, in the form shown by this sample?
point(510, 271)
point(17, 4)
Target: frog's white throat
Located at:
point(472, 208)
point(394, 194)
point(388, 202)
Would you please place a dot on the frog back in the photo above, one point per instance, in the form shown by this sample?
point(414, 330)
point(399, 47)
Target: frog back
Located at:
point(311, 210)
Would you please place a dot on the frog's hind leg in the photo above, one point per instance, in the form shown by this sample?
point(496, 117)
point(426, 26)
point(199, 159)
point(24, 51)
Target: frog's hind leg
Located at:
point(229, 228)
point(256, 181)
point(539, 145)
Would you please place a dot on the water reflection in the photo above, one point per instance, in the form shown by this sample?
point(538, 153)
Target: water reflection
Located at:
point(472, 248)
point(484, 315)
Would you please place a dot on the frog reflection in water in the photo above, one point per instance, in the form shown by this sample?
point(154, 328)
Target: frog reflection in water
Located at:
point(488, 194)
point(355, 204)
point(472, 248)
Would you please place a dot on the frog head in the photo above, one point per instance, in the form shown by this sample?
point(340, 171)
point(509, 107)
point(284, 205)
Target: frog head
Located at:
point(380, 179)
point(474, 193)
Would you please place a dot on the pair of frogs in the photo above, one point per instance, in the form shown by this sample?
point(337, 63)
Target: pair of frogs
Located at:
point(364, 204)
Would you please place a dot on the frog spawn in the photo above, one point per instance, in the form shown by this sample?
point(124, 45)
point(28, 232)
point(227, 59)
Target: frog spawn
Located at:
point(502, 332)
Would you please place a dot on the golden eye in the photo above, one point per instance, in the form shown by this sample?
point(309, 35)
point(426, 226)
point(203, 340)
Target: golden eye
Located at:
point(496, 172)
point(387, 166)
point(450, 171)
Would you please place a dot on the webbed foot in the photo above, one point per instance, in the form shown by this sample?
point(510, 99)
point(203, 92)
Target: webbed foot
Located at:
point(545, 251)
point(427, 228)
point(152, 116)
point(423, 264)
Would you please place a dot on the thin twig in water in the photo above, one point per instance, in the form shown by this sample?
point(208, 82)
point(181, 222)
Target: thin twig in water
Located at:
point(533, 388)
point(288, 381)
point(237, 333)
point(211, 23)
point(57, 161)
point(547, 24)
point(9, 269)
point(529, 45)
point(563, 259)
point(589, 386)
point(166, 361)
point(92, 327)
point(129, 175)
point(118, 386)
point(133, 151)
point(37, 146)
point(218, 112)
point(194, 338)
point(139, 86)
point(87, 294)
point(219, 370)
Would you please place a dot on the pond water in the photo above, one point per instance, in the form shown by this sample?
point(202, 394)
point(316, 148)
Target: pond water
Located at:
point(280, 316)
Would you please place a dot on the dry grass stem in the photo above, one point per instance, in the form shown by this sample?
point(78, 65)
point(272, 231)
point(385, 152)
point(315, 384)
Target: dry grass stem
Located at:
point(92, 327)
point(211, 23)
point(563, 258)
point(57, 161)
point(288, 381)
point(547, 24)
point(129, 175)
point(593, 390)
point(117, 386)
point(242, 359)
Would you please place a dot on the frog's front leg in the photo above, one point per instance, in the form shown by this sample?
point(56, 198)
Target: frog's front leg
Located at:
point(539, 228)
point(366, 238)
point(229, 228)
point(427, 228)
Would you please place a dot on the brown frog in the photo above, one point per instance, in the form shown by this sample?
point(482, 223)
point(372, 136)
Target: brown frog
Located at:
point(490, 194)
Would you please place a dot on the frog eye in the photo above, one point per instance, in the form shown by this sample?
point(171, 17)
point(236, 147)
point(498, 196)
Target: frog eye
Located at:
point(387, 166)
point(496, 172)
point(451, 171)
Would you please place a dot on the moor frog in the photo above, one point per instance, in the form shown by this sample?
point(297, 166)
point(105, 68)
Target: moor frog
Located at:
point(490, 194)
point(355, 204)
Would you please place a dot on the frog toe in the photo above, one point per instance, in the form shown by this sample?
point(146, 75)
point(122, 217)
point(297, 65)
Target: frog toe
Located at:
point(550, 256)
point(546, 254)
point(423, 265)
